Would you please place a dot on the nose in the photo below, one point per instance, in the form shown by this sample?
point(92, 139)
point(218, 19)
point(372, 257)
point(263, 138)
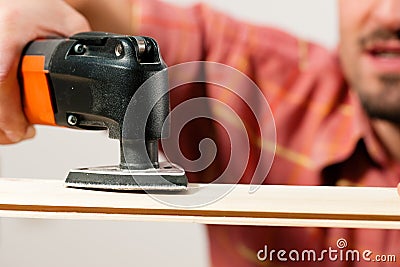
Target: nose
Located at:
point(387, 13)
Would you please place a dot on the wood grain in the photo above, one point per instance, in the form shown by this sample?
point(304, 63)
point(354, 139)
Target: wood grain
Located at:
point(275, 205)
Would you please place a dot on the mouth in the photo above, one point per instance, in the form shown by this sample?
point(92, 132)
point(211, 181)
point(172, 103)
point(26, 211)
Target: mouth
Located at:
point(384, 50)
point(383, 56)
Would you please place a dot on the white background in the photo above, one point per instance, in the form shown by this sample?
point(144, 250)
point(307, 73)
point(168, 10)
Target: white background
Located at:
point(54, 151)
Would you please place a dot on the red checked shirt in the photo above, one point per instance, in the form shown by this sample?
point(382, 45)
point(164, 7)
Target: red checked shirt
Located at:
point(323, 135)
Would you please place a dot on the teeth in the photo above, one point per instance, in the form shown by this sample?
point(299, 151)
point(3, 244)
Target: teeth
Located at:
point(388, 54)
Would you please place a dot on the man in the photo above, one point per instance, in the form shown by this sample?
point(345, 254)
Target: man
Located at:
point(330, 130)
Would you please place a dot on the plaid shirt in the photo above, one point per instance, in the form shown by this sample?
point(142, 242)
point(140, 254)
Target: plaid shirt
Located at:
point(323, 135)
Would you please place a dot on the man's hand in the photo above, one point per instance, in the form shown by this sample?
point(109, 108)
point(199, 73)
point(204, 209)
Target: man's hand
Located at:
point(22, 21)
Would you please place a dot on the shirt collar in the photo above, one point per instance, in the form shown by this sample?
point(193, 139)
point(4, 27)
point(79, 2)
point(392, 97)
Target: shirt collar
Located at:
point(353, 125)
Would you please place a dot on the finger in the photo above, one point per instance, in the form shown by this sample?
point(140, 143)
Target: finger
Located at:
point(12, 120)
point(30, 133)
point(66, 22)
point(77, 23)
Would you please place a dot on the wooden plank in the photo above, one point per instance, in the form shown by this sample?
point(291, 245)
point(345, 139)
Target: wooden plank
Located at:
point(208, 204)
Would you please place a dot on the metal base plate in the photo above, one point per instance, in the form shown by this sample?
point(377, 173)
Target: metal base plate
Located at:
point(169, 177)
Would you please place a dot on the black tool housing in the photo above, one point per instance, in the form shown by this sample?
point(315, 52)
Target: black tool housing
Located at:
point(94, 76)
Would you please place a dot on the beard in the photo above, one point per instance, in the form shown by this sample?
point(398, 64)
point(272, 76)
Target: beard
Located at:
point(382, 99)
point(384, 103)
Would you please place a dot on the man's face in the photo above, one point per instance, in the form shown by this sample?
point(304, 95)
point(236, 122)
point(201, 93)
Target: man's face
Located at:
point(370, 54)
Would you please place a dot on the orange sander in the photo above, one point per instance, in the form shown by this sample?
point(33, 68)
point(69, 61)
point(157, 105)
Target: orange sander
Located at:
point(104, 81)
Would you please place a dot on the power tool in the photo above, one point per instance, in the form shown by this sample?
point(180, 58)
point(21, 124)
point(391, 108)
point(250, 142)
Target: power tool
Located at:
point(88, 81)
